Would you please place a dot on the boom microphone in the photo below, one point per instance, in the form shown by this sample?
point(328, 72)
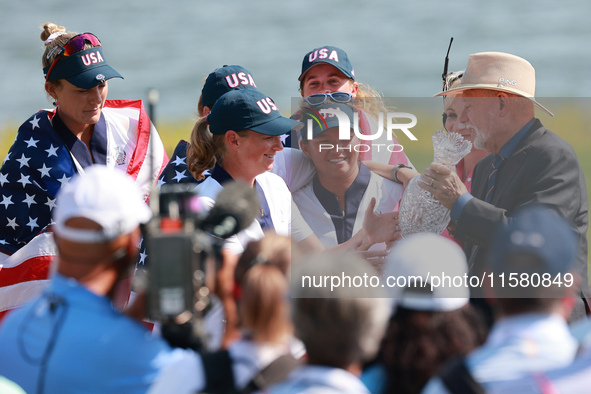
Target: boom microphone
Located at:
point(236, 206)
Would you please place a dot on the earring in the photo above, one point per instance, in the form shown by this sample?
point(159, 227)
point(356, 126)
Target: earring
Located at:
point(54, 103)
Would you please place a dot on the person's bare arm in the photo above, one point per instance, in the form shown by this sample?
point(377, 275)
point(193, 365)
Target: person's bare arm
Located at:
point(403, 174)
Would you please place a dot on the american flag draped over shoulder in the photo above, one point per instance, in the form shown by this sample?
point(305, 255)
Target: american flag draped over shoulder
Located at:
point(175, 172)
point(36, 167)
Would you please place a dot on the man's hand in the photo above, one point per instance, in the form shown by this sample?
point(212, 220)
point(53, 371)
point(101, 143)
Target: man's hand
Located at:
point(444, 183)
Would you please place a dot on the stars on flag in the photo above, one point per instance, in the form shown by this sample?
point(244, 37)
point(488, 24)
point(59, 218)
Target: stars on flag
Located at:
point(143, 256)
point(12, 223)
point(176, 170)
point(31, 174)
point(29, 200)
point(35, 122)
point(31, 143)
point(6, 201)
point(52, 151)
point(179, 175)
point(64, 180)
point(32, 223)
point(24, 180)
point(24, 161)
point(50, 203)
point(44, 171)
point(179, 160)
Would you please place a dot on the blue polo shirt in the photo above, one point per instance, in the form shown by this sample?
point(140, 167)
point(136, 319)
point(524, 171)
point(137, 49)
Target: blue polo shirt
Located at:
point(72, 340)
point(98, 142)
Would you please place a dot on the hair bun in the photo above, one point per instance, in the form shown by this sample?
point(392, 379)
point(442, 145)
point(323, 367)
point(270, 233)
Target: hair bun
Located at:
point(50, 28)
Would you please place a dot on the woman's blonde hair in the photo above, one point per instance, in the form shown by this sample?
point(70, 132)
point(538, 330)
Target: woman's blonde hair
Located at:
point(264, 308)
point(369, 100)
point(52, 48)
point(452, 80)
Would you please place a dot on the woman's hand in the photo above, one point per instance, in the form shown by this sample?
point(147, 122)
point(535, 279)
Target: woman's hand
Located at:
point(379, 227)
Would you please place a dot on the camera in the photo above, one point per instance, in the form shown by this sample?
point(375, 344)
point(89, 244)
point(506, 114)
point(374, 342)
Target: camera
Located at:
point(184, 241)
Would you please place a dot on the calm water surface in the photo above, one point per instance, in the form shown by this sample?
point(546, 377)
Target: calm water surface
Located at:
point(396, 47)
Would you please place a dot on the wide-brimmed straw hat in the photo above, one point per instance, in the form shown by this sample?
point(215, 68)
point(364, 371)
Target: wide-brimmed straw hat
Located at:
point(499, 71)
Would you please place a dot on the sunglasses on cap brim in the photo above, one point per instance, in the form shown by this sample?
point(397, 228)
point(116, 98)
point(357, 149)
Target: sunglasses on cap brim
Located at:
point(73, 45)
point(337, 97)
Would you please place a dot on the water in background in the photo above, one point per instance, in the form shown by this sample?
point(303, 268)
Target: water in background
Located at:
point(397, 47)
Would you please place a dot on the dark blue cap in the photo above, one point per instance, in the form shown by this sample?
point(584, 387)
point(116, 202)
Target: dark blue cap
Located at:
point(322, 120)
point(334, 56)
point(537, 231)
point(248, 109)
point(224, 79)
point(84, 69)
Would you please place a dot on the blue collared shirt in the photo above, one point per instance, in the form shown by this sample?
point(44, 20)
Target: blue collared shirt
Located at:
point(344, 220)
point(97, 147)
point(506, 151)
point(70, 339)
point(219, 174)
point(517, 346)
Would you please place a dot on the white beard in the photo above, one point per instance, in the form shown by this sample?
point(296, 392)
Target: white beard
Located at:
point(479, 141)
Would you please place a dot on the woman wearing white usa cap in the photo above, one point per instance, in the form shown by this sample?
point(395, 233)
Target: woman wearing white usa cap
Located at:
point(83, 129)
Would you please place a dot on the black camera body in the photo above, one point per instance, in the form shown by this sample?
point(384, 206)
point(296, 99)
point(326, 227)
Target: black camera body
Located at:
point(184, 242)
point(177, 251)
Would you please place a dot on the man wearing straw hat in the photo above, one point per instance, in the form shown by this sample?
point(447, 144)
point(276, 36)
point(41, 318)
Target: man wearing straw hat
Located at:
point(528, 163)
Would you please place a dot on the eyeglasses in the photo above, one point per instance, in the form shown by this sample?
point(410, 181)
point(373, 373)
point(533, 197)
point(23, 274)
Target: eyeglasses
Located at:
point(73, 45)
point(337, 97)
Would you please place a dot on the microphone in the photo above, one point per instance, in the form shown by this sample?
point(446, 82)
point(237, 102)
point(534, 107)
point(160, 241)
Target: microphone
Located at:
point(235, 208)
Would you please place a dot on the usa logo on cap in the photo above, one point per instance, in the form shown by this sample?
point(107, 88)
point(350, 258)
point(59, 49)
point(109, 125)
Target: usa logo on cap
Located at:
point(334, 56)
point(267, 105)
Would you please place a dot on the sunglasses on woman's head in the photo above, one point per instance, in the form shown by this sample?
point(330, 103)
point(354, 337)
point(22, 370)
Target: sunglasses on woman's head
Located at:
point(337, 97)
point(73, 45)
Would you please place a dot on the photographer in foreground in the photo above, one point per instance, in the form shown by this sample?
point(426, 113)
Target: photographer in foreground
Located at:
point(71, 338)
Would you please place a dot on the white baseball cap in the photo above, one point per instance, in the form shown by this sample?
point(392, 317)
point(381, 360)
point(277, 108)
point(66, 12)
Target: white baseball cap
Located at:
point(417, 270)
point(106, 196)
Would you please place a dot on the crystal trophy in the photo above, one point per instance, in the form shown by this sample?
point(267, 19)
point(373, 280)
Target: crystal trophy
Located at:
point(420, 211)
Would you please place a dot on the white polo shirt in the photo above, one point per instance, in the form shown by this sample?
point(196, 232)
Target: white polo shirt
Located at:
point(275, 200)
point(294, 167)
point(321, 210)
